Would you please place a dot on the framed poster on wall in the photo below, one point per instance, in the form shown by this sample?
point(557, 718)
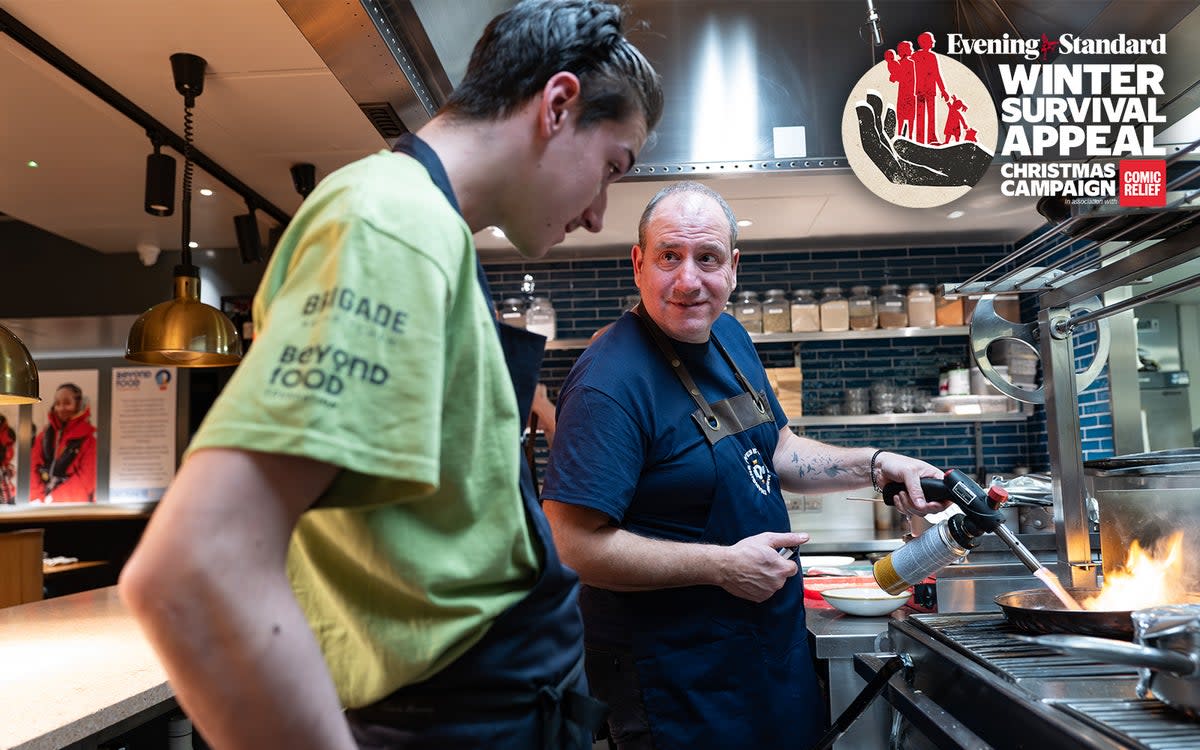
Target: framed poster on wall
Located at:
point(63, 455)
point(141, 458)
point(10, 453)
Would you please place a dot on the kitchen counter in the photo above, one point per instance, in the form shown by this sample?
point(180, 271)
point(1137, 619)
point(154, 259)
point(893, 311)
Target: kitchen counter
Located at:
point(848, 541)
point(58, 512)
point(72, 667)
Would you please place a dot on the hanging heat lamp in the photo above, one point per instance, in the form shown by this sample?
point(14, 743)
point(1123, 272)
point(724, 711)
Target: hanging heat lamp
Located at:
point(184, 331)
point(18, 373)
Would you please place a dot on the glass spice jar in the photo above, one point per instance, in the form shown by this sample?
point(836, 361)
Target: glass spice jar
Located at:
point(949, 310)
point(835, 310)
point(776, 313)
point(541, 318)
point(748, 311)
point(921, 307)
point(512, 312)
point(806, 313)
point(892, 307)
point(863, 316)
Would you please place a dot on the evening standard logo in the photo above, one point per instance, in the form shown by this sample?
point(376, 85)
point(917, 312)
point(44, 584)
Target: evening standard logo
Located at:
point(1079, 130)
point(760, 475)
point(919, 129)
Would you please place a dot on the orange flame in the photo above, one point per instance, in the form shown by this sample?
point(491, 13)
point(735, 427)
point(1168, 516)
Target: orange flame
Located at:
point(1148, 579)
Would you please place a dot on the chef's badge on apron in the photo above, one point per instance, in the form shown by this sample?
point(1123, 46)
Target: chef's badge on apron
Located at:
point(760, 475)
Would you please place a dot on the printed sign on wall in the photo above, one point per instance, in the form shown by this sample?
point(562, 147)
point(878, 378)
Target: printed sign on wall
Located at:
point(10, 453)
point(142, 457)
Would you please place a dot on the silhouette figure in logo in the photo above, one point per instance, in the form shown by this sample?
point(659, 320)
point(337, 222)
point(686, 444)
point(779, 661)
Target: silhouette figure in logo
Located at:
point(928, 81)
point(902, 72)
point(955, 122)
point(904, 162)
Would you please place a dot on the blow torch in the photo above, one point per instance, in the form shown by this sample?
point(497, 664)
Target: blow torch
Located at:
point(954, 537)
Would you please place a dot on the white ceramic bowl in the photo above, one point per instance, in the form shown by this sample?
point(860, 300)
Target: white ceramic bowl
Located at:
point(866, 601)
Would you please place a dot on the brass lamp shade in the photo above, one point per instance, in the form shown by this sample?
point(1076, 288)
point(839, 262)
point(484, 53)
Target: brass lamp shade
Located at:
point(184, 332)
point(18, 374)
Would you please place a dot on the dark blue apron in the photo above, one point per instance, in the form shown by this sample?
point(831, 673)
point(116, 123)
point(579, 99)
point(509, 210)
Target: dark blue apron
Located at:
point(717, 671)
point(523, 685)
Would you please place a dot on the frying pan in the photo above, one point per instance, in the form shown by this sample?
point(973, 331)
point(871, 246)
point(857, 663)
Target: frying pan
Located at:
point(1039, 611)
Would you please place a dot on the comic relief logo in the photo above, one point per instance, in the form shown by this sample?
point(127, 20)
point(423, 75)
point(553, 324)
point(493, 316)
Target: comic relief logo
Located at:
point(760, 475)
point(163, 378)
point(919, 129)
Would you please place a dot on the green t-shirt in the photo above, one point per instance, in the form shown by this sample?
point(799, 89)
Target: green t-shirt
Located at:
point(377, 352)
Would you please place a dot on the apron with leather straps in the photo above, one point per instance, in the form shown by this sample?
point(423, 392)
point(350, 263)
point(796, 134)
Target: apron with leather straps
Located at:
point(718, 671)
point(530, 662)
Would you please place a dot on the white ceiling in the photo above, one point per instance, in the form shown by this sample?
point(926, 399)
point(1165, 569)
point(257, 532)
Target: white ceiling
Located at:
point(270, 102)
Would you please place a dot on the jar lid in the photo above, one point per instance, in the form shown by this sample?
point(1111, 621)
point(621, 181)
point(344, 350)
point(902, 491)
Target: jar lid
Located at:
point(886, 288)
point(747, 296)
point(513, 301)
point(832, 290)
point(918, 287)
point(860, 290)
point(802, 293)
point(775, 292)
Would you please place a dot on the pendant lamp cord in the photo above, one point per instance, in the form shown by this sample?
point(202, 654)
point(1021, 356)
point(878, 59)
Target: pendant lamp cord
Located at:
point(185, 247)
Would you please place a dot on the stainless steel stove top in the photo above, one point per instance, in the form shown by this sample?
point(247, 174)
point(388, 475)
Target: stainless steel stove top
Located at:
point(968, 668)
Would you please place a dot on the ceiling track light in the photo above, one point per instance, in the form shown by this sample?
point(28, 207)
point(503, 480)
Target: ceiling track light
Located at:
point(160, 181)
point(248, 238)
point(304, 178)
point(184, 331)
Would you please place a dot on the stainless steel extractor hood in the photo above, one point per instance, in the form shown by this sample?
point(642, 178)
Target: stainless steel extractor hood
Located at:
point(736, 71)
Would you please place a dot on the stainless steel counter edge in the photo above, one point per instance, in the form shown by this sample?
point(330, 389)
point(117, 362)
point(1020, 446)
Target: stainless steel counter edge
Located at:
point(840, 635)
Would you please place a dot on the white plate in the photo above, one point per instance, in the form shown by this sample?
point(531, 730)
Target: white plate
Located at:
point(823, 561)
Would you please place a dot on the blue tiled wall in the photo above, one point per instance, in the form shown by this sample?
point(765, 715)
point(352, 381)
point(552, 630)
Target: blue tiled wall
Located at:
point(587, 294)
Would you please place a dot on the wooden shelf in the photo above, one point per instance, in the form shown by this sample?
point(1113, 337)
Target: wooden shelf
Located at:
point(774, 338)
point(49, 570)
point(846, 420)
point(877, 333)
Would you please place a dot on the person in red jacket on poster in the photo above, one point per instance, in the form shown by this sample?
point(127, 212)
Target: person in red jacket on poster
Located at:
point(64, 452)
point(8, 472)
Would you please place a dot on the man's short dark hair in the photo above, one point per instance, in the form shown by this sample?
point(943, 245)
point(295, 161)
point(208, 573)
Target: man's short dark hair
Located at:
point(523, 47)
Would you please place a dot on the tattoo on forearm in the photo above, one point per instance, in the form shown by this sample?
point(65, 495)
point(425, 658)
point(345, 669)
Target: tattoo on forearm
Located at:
point(814, 465)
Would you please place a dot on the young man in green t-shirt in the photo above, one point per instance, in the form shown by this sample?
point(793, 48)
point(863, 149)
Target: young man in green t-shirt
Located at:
point(349, 528)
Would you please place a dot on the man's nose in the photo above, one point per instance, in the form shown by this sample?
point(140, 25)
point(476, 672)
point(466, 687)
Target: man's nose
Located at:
point(592, 218)
point(687, 277)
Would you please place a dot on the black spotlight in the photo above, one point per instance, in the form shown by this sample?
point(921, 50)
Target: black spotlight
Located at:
point(273, 236)
point(248, 239)
point(304, 178)
point(160, 183)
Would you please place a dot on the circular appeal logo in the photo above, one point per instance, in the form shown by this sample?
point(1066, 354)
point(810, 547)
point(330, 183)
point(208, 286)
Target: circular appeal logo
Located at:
point(919, 129)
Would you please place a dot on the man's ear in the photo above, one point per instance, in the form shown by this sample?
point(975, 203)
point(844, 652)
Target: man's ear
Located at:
point(559, 93)
point(736, 254)
point(635, 255)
